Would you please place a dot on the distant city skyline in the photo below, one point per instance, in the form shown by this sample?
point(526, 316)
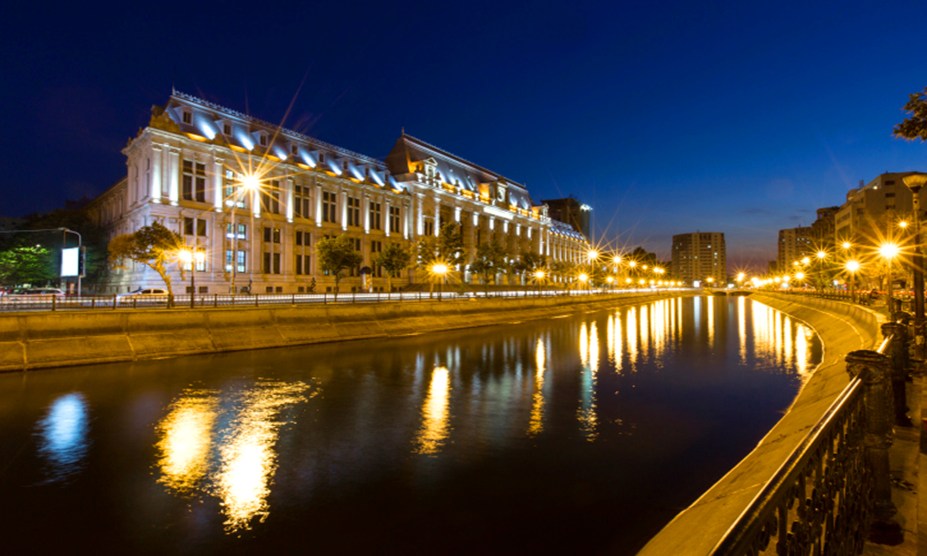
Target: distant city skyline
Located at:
point(665, 119)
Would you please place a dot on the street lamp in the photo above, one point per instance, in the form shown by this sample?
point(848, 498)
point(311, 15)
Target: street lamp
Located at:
point(438, 272)
point(538, 278)
point(79, 255)
point(852, 266)
point(915, 182)
point(249, 183)
point(889, 251)
point(192, 256)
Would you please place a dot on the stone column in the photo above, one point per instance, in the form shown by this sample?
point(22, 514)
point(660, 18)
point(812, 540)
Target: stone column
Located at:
point(873, 369)
point(173, 175)
point(898, 353)
point(218, 176)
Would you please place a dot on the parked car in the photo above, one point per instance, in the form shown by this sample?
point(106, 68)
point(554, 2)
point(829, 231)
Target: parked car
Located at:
point(144, 292)
point(43, 291)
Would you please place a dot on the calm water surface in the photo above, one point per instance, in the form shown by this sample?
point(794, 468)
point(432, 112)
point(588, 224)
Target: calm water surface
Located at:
point(583, 434)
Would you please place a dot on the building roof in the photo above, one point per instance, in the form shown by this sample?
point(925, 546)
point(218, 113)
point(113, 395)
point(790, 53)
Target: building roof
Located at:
point(410, 155)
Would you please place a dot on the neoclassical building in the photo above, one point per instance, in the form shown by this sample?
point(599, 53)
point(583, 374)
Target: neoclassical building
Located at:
point(255, 198)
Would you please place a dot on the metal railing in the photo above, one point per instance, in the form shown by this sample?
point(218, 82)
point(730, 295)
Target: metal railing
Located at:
point(834, 490)
point(113, 302)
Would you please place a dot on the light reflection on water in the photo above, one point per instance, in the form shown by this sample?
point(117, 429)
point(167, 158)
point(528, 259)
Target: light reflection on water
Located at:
point(64, 436)
point(575, 404)
point(434, 430)
point(234, 463)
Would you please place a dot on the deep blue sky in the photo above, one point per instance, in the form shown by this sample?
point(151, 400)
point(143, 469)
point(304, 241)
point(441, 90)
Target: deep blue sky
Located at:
point(667, 117)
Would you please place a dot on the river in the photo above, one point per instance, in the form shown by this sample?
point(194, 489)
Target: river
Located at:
point(578, 434)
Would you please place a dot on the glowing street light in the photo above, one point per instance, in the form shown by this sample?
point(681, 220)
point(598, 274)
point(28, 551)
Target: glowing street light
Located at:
point(249, 183)
point(852, 266)
point(192, 256)
point(438, 271)
point(539, 276)
point(915, 182)
point(889, 251)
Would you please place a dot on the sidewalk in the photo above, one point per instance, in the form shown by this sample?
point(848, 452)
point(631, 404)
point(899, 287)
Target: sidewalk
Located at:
point(908, 469)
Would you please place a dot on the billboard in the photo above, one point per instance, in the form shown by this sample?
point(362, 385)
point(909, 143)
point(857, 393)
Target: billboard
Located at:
point(70, 262)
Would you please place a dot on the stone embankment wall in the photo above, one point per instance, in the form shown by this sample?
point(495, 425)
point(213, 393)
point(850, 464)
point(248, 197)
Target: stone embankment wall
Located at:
point(842, 327)
point(63, 338)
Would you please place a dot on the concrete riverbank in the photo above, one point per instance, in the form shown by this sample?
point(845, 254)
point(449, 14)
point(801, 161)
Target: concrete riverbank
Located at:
point(842, 327)
point(43, 340)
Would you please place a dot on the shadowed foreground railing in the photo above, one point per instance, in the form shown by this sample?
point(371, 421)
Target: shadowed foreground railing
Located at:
point(834, 491)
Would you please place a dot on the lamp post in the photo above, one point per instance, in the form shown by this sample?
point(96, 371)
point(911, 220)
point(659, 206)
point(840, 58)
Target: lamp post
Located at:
point(916, 182)
point(79, 255)
point(852, 266)
point(889, 251)
point(538, 278)
point(250, 183)
point(438, 272)
point(192, 256)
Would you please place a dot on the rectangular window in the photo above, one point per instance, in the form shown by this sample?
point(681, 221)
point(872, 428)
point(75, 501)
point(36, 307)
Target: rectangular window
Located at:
point(234, 195)
point(429, 227)
point(194, 181)
point(242, 231)
point(375, 216)
point(394, 219)
point(191, 225)
point(271, 263)
point(271, 235)
point(353, 211)
point(226, 129)
point(270, 197)
point(329, 203)
point(228, 261)
point(301, 201)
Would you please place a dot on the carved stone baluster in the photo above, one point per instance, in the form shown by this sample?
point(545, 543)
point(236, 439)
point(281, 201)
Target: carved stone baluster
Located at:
point(873, 369)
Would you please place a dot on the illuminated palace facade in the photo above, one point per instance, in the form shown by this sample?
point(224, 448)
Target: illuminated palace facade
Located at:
point(187, 168)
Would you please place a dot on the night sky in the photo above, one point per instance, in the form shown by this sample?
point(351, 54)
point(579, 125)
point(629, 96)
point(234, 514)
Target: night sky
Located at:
point(667, 117)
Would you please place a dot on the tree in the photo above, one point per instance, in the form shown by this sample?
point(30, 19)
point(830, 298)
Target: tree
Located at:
point(336, 255)
point(394, 259)
point(450, 243)
point(446, 247)
point(915, 126)
point(490, 259)
point(27, 264)
point(153, 246)
point(528, 262)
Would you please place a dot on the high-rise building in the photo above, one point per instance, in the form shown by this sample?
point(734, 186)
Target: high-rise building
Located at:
point(794, 243)
point(824, 228)
point(256, 199)
point(699, 256)
point(871, 211)
point(571, 211)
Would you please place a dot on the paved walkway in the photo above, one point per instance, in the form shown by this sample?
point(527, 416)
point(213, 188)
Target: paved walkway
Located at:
point(909, 477)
